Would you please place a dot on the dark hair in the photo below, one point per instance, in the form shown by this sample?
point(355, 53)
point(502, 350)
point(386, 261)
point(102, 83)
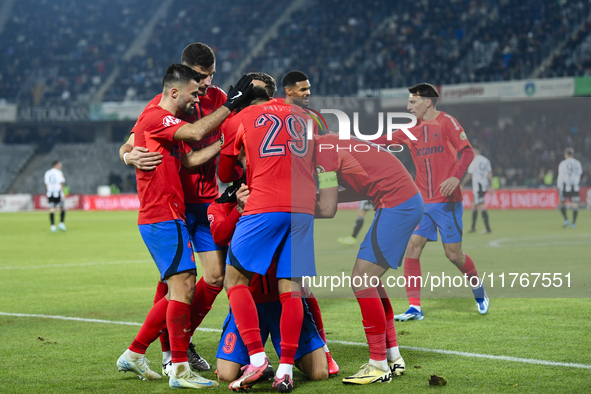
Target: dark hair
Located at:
point(293, 77)
point(198, 54)
point(569, 151)
point(257, 93)
point(179, 74)
point(425, 90)
point(55, 163)
point(270, 84)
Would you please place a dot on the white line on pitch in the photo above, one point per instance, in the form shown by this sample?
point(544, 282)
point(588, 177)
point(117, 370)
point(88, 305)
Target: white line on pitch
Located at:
point(412, 348)
point(29, 267)
point(478, 355)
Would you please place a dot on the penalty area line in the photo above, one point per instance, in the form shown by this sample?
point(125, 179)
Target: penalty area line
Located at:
point(412, 348)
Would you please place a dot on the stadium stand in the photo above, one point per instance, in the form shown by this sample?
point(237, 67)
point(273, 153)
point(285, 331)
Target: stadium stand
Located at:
point(220, 25)
point(49, 54)
point(85, 166)
point(63, 51)
point(13, 159)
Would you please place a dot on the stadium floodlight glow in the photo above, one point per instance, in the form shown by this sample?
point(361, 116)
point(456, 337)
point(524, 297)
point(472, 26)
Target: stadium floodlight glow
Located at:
point(345, 125)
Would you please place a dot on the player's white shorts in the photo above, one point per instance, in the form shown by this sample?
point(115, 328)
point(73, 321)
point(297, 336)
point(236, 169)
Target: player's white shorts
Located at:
point(53, 202)
point(564, 195)
point(366, 205)
point(479, 194)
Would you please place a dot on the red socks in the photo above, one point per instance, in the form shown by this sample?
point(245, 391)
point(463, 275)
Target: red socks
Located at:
point(469, 269)
point(314, 309)
point(412, 267)
point(391, 339)
point(153, 325)
point(203, 299)
point(178, 321)
point(374, 322)
point(292, 317)
point(246, 317)
point(161, 291)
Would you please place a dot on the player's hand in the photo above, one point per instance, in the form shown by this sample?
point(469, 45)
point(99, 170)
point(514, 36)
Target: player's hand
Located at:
point(142, 159)
point(448, 186)
point(237, 94)
point(242, 196)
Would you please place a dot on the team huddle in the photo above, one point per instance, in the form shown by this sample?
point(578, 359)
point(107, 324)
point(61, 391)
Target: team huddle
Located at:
point(256, 239)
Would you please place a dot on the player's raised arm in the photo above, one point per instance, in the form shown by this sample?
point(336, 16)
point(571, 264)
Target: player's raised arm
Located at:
point(198, 130)
point(139, 157)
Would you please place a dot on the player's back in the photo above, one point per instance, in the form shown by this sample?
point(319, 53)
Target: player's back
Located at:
point(369, 170)
point(479, 168)
point(569, 174)
point(53, 179)
point(279, 158)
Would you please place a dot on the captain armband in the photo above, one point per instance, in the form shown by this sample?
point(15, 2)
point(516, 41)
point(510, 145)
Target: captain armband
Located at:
point(327, 179)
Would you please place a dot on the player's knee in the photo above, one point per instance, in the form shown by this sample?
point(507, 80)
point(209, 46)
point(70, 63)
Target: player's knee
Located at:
point(318, 374)
point(216, 280)
point(226, 376)
point(412, 250)
point(189, 289)
point(453, 256)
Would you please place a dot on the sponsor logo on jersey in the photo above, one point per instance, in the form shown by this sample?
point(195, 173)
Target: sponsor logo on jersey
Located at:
point(430, 150)
point(170, 120)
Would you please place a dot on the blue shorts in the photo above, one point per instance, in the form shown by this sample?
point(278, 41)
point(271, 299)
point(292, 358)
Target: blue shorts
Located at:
point(445, 216)
point(170, 246)
point(198, 226)
point(232, 348)
point(261, 236)
point(387, 238)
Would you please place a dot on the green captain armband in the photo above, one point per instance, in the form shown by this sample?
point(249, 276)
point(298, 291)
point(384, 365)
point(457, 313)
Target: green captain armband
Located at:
point(327, 179)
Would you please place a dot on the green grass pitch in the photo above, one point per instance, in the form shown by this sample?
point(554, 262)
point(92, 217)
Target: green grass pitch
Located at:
point(100, 269)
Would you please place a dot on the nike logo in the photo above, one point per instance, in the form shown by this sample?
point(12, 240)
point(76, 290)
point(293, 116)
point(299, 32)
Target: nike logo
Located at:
point(449, 236)
point(231, 193)
point(235, 97)
point(367, 328)
point(185, 330)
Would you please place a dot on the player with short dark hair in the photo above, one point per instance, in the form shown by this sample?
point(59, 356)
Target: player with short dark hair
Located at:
point(367, 172)
point(268, 82)
point(54, 182)
point(199, 183)
point(277, 219)
point(232, 354)
point(162, 225)
point(199, 54)
point(569, 177)
point(480, 171)
point(297, 88)
point(228, 175)
point(434, 143)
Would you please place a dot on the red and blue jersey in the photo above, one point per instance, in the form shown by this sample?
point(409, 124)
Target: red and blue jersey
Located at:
point(279, 158)
point(435, 154)
point(371, 172)
point(160, 191)
point(200, 183)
